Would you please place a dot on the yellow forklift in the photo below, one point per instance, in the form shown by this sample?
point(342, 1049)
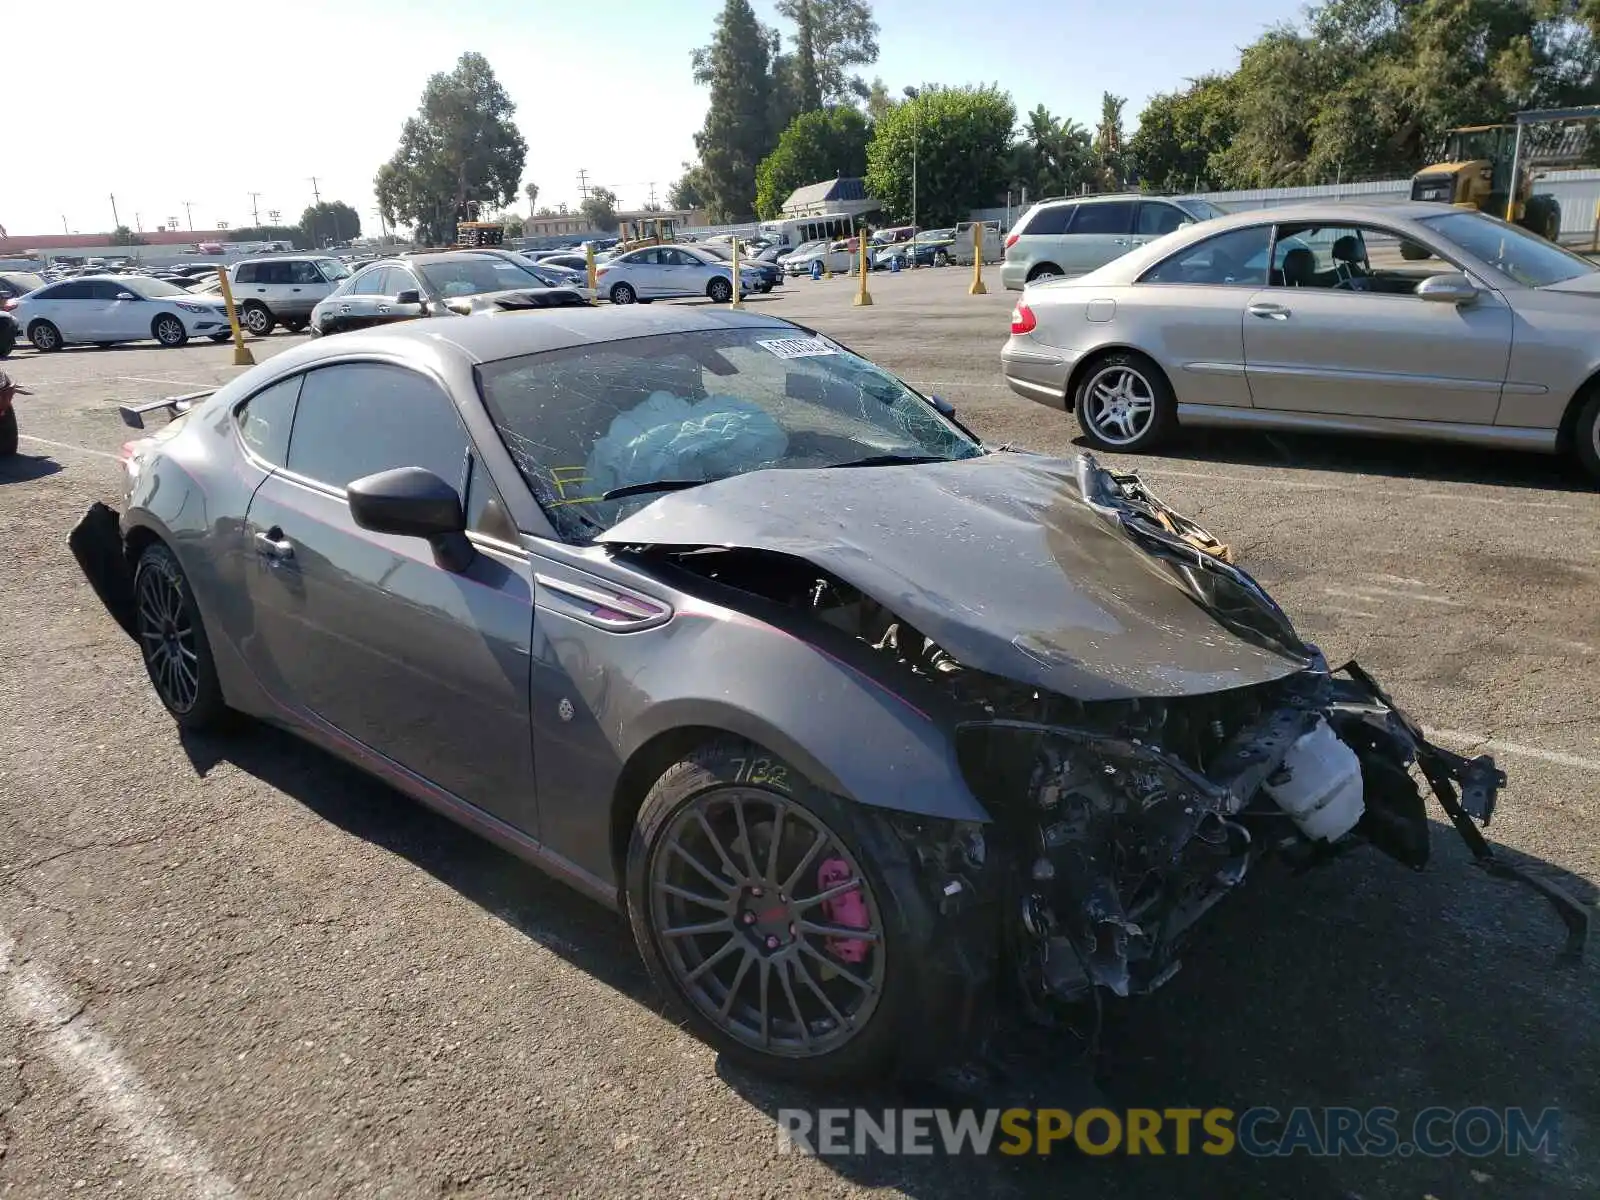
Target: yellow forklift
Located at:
point(1492, 168)
point(646, 231)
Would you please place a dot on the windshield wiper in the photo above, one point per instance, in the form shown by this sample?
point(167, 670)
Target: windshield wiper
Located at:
point(655, 485)
point(891, 460)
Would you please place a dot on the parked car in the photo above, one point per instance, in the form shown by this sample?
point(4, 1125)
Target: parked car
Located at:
point(18, 283)
point(991, 242)
point(666, 602)
point(282, 290)
point(840, 257)
point(769, 273)
point(657, 272)
point(797, 260)
point(567, 262)
point(1074, 237)
point(450, 283)
point(930, 248)
point(1319, 316)
point(105, 309)
point(548, 274)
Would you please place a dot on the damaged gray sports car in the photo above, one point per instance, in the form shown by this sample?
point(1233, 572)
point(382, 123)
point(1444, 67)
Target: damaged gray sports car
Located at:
point(869, 728)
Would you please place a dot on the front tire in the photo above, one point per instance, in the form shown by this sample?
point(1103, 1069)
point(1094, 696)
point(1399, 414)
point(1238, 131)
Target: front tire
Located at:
point(719, 290)
point(1124, 402)
point(762, 910)
point(169, 331)
point(173, 643)
point(1586, 435)
point(257, 320)
point(623, 293)
point(44, 337)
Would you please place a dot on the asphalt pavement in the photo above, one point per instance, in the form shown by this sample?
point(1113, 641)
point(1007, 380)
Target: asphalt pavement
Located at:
point(238, 968)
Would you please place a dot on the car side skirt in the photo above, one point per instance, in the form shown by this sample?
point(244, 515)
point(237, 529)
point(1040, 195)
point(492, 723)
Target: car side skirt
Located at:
point(1503, 437)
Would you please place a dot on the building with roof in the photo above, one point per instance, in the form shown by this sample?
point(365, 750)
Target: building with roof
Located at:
point(844, 194)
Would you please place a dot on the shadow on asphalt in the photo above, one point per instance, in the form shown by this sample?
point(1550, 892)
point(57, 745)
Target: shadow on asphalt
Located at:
point(19, 468)
point(1375, 456)
point(1360, 983)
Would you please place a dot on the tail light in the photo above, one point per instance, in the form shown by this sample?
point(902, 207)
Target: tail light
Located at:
point(9, 304)
point(1022, 319)
point(1011, 239)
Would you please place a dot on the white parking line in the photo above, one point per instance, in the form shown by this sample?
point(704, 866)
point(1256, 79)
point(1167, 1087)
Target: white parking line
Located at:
point(28, 437)
point(90, 1061)
point(1559, 757)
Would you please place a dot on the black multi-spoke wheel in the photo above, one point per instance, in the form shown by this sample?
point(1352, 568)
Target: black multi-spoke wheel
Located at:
point(173, 640)
point(753, 906)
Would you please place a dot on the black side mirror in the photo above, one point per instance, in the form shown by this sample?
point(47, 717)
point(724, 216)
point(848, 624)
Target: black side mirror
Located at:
point(409, 296)
point(413, 502)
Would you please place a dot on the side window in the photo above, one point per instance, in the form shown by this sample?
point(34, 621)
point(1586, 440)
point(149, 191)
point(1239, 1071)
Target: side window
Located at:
point(1112, 216)
point(486, 511)
point(304, 271)
point(76, 290)
point(264, 420)
point(1050, 221)
point(399, 280)
point(370, 284)
point(246, 273)
point(1237, 258)
point(1157, 218)
point(358, 418)
point(104, 289)
point(642, 258)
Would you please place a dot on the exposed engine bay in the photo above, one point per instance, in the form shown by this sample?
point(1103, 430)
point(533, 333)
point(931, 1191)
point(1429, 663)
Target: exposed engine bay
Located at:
point(1118, 823)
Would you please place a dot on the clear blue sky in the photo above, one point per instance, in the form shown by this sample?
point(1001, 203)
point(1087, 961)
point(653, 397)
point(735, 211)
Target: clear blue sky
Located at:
point(321, 87)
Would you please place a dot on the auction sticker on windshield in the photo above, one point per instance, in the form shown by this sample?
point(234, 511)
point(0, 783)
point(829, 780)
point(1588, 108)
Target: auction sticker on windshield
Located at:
point(798, 347)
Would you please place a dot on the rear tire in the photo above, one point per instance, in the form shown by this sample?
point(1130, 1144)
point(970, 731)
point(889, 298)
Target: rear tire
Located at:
point(44, 336)
point(716, 784)
point(1045, 271)
point(1124, 402)
point(8, 434)
point(719, 290)
point(257, 320)
point(623, 293)
point(172, 639)
point(1586, 435)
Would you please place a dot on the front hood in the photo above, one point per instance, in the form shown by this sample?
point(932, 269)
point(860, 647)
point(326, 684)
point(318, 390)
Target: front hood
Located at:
point(997, 559)
point(1586, 285)
point(515, 298)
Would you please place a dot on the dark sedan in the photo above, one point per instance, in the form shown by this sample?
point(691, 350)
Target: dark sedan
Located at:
point(769, 272)
point(452, 283)
point(861, 722)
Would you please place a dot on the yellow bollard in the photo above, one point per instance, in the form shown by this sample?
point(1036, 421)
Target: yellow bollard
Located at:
point(588, 258)
point(241, 353)
point(827, 261)
point(863, 296)
point(736, 302)
point(977, 288)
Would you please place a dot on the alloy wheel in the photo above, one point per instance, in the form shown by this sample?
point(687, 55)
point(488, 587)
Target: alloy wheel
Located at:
point(766, 922)
point(167, 637)
point(1119, 405)
point(255, 320)
point(169, 331)
point(44, 336)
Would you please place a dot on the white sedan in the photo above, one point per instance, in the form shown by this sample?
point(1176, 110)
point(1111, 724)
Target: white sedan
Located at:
point(105, 309)
point(657, 272)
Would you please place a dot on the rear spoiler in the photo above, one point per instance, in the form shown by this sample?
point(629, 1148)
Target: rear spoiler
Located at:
point(133, 414)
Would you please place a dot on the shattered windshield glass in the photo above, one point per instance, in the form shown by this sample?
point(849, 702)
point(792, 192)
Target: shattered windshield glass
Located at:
point(590, 420)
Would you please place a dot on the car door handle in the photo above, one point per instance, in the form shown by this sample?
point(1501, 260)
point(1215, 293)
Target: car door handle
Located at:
point(273, 545)
point(1273, 312)
point(383, 308)
point(1119, 241)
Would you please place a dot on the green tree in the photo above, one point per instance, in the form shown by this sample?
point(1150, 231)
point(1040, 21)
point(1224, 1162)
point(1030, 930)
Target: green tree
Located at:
point(879, 101)
point(831, 37)
point(1178, 134)
point(330, 221)
point(688, 190)
point(462, 145)
point(123, 236)
point(737, 133)
point(599, 208)
point(1052, 158)
point(292, 234)
point(962, 138)
point(531, 191)
point(514, 225)
point(1108, 147)
point(816, 146)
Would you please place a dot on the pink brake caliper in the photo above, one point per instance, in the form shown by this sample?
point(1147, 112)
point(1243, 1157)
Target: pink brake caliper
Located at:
point(848, 909)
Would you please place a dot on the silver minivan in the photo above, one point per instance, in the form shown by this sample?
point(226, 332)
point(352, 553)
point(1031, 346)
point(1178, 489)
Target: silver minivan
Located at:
point(1073, 236)
point(282, 290)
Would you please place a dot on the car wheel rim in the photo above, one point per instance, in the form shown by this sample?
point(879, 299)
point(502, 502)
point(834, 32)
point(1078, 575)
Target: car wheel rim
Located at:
point(167, 637)
point(767, 923)
point(1594, 436)
point(1119, 405)
point(169, 331)
point(255, 320)
point(44, 337)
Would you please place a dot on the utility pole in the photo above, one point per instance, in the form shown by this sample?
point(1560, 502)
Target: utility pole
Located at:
point(116, 222)
point(64, 228)
point(188, 211)
point(916, 144)
point(255, 210)
point(651, 203)
point(583, 184)
point(316, 203)
point(138, 225)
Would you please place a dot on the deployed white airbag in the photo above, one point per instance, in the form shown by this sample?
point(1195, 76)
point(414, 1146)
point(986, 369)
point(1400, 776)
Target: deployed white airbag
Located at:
point(668, 437)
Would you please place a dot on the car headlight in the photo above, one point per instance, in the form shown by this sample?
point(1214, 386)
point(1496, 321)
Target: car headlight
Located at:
point(195, 308)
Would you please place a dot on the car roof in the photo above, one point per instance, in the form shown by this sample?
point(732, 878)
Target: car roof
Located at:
point(489, 337)
point(1333, 212)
